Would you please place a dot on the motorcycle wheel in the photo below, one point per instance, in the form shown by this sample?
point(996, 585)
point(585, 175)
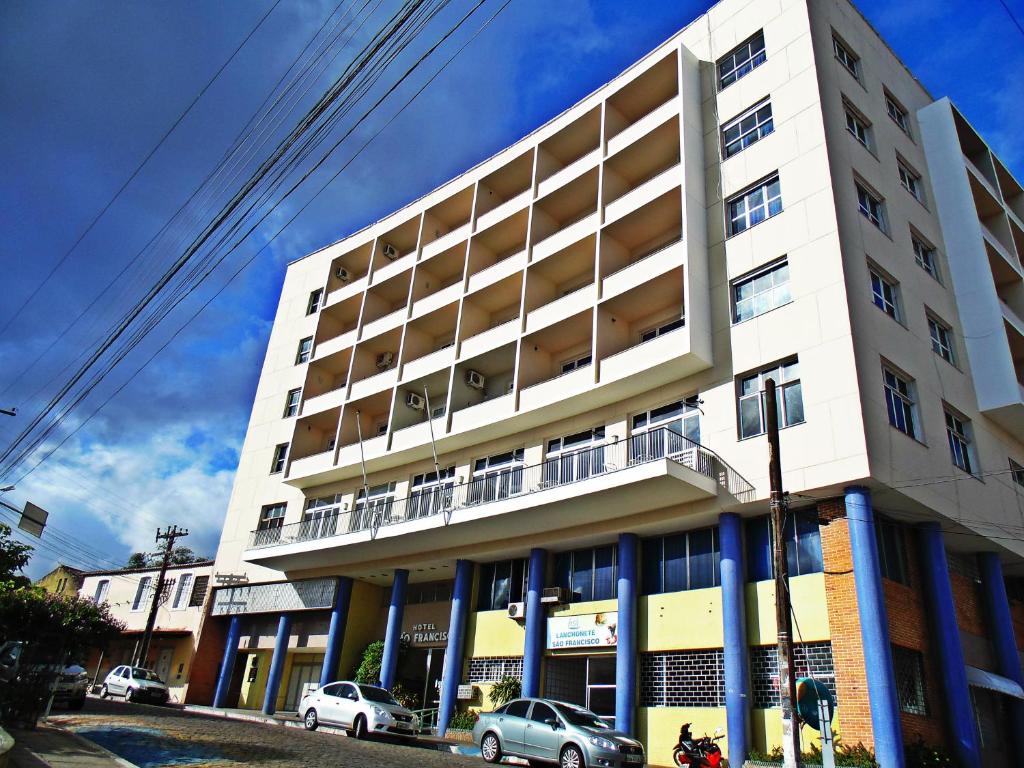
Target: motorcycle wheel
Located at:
point(679, 758)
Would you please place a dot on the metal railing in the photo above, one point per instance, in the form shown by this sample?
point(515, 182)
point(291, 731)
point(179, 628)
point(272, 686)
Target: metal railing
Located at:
point(508, 482)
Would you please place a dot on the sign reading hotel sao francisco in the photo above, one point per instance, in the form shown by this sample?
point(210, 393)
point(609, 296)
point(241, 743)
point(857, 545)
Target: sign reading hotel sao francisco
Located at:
point(590, 630)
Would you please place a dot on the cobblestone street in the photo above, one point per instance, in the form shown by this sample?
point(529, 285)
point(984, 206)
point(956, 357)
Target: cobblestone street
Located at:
point(240, 743)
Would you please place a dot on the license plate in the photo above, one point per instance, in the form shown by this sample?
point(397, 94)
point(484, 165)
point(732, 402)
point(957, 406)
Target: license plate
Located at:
point(634, 758)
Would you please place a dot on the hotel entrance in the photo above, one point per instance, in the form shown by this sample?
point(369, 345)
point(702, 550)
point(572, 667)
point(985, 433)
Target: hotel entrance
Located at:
point(585, 680)
point(419, 672)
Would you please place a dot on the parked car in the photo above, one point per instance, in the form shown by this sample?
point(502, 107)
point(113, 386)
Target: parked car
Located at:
point(135, 684)
point(360, 709)
point(546, 731)
point(69, 683)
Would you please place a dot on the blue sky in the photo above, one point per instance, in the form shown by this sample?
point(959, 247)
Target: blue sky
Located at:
point(88, 89)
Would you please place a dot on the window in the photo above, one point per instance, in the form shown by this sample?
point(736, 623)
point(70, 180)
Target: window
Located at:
point(280, 455)
point(518, 708)
point(857, 125)
point(182, 593)
point(199, 588)
point(680, 562)
point(910, 180)
point(908, 669)
point(315, 301)
point(305, 351)
point(803, 545)
point(1017, 473)
point(761, 291)
point(846, 57)
point(658, 330)
point(429, 592)
point(752, 398)
point(271, 516)
point(898, 114)
point(885, 293)
point(589, 574)
point(496, 477)
point(680, 416)
point(320, 517)
point(749, 128)
point(103, 588)
point(741, 60)
point(502, 583)
point(942, 339)
point(754, 205)
point(542, 713)
point(574, 457)
point(899, 402)
point(958, 433)
point(430, 494)
point(291, 402)
point(142, 595)
point(924, 255)
point(381, 501)
point(892, 551)
point(577, 362)
point(871, 206)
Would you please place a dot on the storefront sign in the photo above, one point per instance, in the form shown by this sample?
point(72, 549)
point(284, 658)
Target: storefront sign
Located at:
point(425, 634)
point(589, 630)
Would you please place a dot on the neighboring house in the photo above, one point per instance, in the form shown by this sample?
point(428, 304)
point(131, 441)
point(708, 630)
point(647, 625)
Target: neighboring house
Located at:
point(129, 594)
point(62, 580)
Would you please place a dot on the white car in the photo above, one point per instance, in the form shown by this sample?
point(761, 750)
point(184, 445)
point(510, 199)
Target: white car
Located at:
point(135, 684)
point(360, 709)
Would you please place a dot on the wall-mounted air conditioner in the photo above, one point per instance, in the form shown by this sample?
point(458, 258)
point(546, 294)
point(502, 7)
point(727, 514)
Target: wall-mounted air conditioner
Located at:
point(389, 251)
point(475, 379)
point(555, 595)
point(414, 401)
point(343, 274)
point(517, 611)
point(384, 360)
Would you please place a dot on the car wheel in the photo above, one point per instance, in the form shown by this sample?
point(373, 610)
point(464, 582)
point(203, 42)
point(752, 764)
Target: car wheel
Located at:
point(76, 704)
point(490, 748)
point(359, 726)
point(104, 692)
point(129, 694)
point(310, 720)
point(572, 758)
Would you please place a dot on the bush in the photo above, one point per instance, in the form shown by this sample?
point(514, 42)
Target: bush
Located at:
point(921, 755)
point(857, 756)
point(463, 721)
point(505, 690)
point(406, 698)
point(368, 672)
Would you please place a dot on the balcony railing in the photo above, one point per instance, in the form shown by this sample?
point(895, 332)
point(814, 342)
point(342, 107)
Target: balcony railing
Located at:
point(500, 484)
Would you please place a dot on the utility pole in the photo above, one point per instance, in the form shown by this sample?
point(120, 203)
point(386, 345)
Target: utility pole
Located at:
point(168, 537)
point(783, 615)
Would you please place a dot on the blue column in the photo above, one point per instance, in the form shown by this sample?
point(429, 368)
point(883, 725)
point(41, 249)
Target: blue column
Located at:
point(336, 632)
point(536, 625)
point(734, 630)
point(938, 597)
point(1004, 641)
point(625, 649)
point(284, 632)
point(452, 671)
point(227, 665)
point(393, 635)
point(874, 629)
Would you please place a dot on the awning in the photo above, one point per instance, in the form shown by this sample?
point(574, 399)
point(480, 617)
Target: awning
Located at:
point(979, 678)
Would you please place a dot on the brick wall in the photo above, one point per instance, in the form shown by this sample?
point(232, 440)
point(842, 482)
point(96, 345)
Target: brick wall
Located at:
point(202, 679)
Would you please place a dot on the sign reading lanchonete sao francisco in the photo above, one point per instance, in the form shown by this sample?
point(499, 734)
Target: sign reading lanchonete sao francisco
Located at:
point(589, 630)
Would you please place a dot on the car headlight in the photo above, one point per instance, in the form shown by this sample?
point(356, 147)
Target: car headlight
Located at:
point(383, 714)
point(602, 743)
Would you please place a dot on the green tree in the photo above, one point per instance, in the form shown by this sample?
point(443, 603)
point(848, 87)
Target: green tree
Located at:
point(184, 556)
point(137, 560)
point(14, 556)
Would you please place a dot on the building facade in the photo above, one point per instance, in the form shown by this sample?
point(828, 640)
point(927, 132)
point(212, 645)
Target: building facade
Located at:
point(520, 424)
point(128, 594)
point(62, 580)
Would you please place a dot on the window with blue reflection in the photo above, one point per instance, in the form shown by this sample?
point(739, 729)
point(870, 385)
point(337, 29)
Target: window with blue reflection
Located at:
point(803, 545)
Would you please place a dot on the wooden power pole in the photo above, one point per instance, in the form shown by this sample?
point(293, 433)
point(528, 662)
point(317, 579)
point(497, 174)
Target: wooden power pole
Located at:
point(168, 537)
point(783, 615)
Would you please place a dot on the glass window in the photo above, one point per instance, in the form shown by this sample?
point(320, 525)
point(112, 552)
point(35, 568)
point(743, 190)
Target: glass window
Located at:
point(280, 455)
point(924, 255)
point(142, 593)
point(789, 396)
point(803, 545)
point(741, 60)
point(899, 401)
point(871, 206)
point(315, 301)
point(305, 351)
point(754, 205)
point(379, 507)
point(496, 477)
point(291, 402)
point(908, 669)
point(429, 494)
point(181, 594)
point(681, 561)
point(898, 114)
point(588, 574)
point(892, 556)
point(942, 339)
point(910, 180)
point(846, 57)
point(576, 362)
point(858, 126)
point(103, 589)
point(199, 588)
point(761, 291)
point(502, 583)
point(1017, 473)
point(518, 708)
point(885, 294)
point(574, 457)
point(749, 128)
point(959, 438)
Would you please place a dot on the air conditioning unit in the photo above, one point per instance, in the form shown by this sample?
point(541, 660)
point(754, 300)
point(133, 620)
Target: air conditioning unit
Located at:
point(343, 274)
point(384, 360)
point(509, 387)
point(414, 401)
point(437, 412)
point(389, 251)
point(517, 611)
point(555, 595)
point(475, 379)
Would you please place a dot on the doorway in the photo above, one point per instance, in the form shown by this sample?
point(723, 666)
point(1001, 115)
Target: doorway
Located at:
point(588, 681)
point(304, 678)
point(163, 664)
point(420, 673)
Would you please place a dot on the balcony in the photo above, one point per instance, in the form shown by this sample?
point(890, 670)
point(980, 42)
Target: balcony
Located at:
point(349, 273)
point(446, 223)
point(504, 191)
point(564, 216)
point(646, 94)
point(569, 152)
point(393, 246)
point(646, 471)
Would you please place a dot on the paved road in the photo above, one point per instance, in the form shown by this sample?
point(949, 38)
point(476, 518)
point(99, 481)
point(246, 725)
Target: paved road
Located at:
point(240, 743)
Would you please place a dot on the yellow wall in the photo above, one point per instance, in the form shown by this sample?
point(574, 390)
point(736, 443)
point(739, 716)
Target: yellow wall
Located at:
point(286, 673)
point(493, 633)
point(680, 620)
point(809, 608)
point(50, 581)
point(361, 628)
point(658, 728)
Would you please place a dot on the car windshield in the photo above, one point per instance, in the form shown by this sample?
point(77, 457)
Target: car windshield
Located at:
point(581, 717)
point(144, 674)
point(377, 695)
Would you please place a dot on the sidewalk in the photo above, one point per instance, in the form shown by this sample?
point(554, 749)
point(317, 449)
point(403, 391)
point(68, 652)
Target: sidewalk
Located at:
point(51, 747)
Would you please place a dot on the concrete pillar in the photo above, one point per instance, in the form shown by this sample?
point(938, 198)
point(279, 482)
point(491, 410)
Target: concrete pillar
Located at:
point(227, 665)
point(336, 631)
point(625, 649)
point(284, 632)
point(1004, 641)
point(734, 630)
point(536, 624)
point(452, 672)
point(393, 635)
point(874, 629)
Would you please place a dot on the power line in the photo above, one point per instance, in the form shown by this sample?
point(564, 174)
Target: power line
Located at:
point(1012, 15)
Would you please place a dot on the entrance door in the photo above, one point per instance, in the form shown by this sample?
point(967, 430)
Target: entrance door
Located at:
point(435, 669)
point(303, 679)
point(163, 664)
point(601, 687)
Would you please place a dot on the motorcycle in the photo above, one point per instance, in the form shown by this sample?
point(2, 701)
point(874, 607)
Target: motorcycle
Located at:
point(697, 753)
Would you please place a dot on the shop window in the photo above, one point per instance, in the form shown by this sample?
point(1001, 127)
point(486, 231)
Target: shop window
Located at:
point(908, 669)
point(803, 545)
point(681, 561)
point(502, 583)
point(589, 574)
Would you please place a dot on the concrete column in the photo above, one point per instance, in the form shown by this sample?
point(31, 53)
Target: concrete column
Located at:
point(625, 649)
point(536, 624)
point(938, 596)
point(393, 635)
point(734, 630)
point(874, 629)
point(452, 672)
point(284, 632)
point(336, 632)
point(227, 665)
point(1004, 642)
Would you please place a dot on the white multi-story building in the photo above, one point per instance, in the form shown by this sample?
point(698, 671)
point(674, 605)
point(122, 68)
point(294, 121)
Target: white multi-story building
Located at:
point(543, 383)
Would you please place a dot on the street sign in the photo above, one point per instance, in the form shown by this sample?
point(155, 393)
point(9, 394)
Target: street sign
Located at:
point(33, 519)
